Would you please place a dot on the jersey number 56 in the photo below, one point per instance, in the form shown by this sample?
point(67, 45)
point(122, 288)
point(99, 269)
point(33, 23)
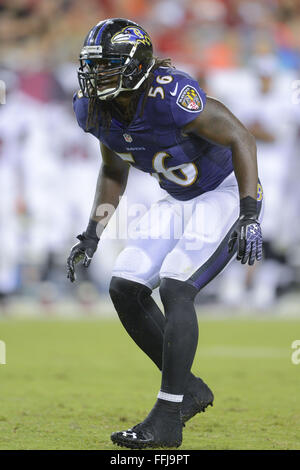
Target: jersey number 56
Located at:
point(184, 174)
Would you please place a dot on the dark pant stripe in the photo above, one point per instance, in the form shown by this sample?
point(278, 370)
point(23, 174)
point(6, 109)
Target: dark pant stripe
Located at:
point(217, 262)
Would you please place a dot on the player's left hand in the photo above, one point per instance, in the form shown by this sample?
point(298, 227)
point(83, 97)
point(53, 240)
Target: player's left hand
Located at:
point(247, 234)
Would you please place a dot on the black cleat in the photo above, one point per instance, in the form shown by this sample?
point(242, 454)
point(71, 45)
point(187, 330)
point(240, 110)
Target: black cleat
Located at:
point(159, 429)
point(196, 399)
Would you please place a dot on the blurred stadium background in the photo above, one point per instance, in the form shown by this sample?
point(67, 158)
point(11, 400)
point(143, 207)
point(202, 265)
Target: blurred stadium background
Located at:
point(245, 53)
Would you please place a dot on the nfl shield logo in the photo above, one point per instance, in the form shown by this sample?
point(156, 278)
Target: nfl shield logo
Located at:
point(127, 137)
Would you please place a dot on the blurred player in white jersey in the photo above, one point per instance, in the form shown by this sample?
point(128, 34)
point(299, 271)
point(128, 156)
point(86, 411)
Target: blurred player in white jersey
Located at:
point(266, 110)
point(12, 132)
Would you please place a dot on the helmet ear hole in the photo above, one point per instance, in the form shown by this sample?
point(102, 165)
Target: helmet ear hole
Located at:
point(132, 68)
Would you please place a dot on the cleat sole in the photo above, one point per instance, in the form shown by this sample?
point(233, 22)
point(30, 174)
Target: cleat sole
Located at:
point(142, 445)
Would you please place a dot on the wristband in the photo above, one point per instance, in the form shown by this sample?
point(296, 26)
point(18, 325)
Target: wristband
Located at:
point(93, 229)
point(248, 207)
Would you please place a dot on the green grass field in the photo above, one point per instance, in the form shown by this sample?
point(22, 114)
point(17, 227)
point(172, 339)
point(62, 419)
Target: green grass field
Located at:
point(69, 384)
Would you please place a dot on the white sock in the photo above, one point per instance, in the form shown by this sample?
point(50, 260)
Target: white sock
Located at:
point(170, 397)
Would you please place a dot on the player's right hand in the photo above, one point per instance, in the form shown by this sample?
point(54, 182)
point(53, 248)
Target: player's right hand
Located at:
point(84, 250)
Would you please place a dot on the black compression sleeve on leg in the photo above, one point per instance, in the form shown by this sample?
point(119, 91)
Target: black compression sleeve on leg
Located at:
point(181, 334)
point(140, 316)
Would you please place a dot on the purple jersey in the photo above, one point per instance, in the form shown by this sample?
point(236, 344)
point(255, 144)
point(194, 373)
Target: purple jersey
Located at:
point(185, 165)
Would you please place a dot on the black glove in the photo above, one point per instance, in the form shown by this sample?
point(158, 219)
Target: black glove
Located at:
point(84, 250)
point(247, 233)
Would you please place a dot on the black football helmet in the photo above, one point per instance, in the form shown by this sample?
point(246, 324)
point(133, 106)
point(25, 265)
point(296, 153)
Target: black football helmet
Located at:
point(117, 55)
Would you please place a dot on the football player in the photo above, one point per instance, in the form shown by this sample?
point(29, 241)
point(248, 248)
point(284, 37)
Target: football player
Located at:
point(148, 114)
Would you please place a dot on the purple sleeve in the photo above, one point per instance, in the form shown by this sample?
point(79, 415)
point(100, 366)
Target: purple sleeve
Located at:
point(188, 102)
point(80, 106)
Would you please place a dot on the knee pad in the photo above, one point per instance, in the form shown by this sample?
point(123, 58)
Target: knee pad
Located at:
point(174, 291)
point(136, 264)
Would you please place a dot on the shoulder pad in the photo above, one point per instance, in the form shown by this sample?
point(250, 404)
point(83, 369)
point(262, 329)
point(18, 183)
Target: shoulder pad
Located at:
point(187, 99)
point(176, 98)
